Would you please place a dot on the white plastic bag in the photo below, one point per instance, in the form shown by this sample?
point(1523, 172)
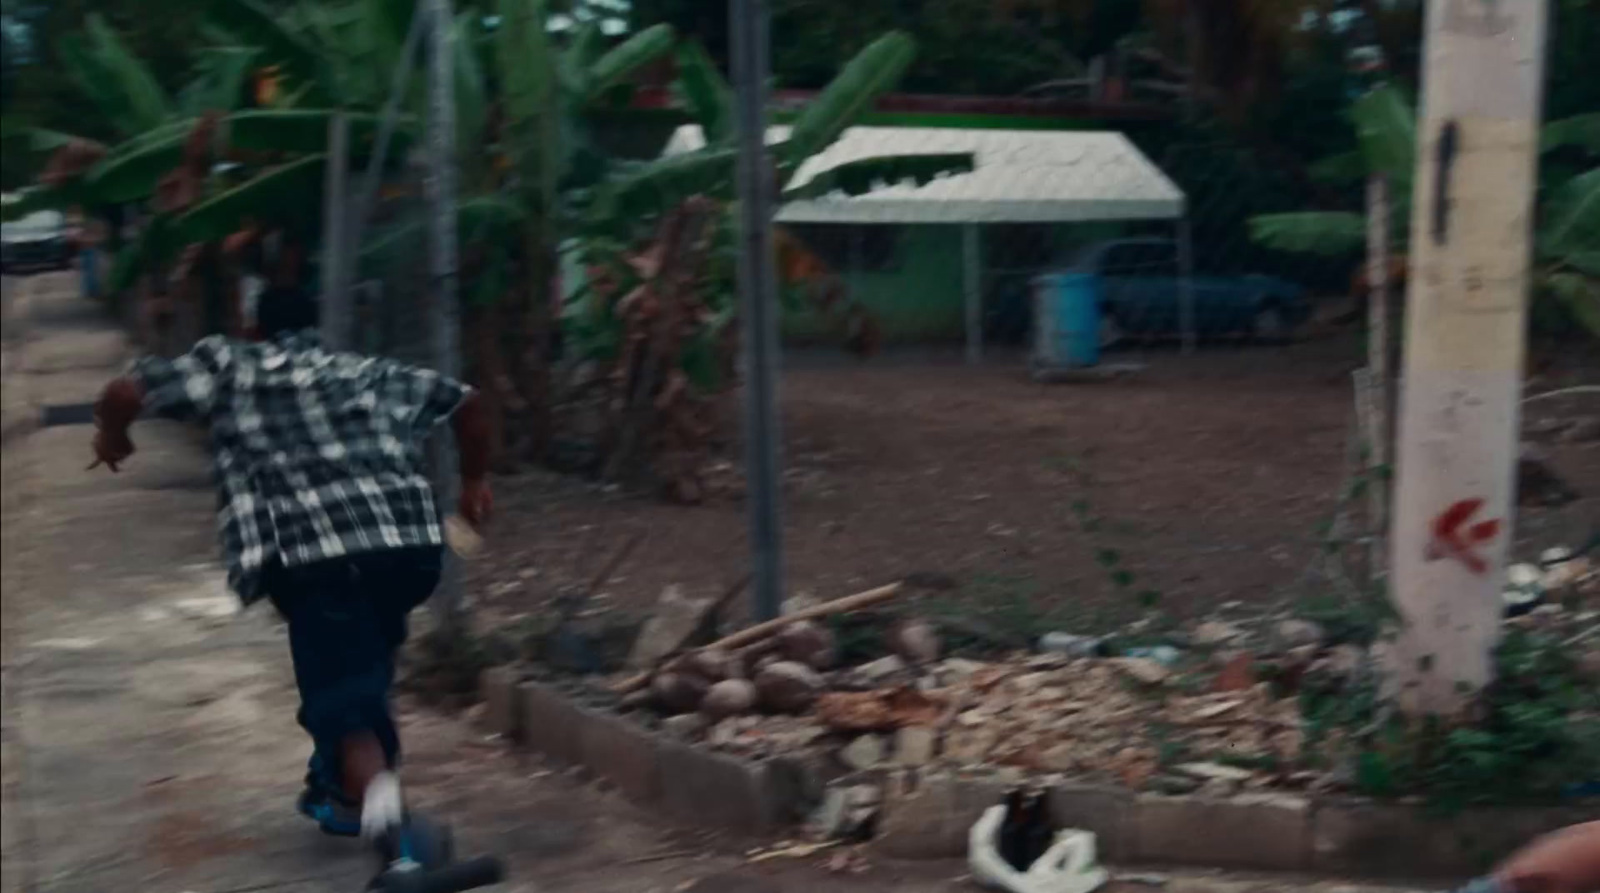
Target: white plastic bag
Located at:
point(1068, 866)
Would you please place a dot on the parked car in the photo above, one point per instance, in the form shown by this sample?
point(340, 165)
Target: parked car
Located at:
point(1141, 294)
point(38, 241)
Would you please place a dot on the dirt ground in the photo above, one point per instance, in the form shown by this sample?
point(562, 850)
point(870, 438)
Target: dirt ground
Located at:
point(1209, 475)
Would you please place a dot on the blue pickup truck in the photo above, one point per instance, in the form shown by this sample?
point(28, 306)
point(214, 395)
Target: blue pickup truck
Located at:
point(1141, 295)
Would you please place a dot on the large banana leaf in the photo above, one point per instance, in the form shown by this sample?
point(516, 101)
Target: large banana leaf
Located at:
point(225, 73)
point(623, 60)
point(524, 57)
point(1578, 130)
point(151, 245)
point(42, 139)
point(861, 177)
point(1580, 294)
point(1386, 130)
point(529, 86)
point(483, 218)
point(650, 188)
point(295, 130)
point(290, 193)
point(132, 173)
point(702, 88)
point(84, 67)
point(472, 93)
point(1572, 220)
point(252, 25)
point(146, 103)
point(1312, 232)
point(874, 71)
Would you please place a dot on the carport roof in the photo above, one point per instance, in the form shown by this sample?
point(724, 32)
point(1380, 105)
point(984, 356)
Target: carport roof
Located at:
point(1020, 176)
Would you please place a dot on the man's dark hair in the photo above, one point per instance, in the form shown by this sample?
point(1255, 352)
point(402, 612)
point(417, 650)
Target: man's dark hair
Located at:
point(282, 309)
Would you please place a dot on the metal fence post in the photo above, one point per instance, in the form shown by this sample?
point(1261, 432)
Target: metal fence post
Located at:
point(335, 232)
point(440, 188)
point(749, 36)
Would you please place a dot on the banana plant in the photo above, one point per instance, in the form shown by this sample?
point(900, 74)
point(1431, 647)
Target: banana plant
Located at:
point(648, 189)
point(1567, 259)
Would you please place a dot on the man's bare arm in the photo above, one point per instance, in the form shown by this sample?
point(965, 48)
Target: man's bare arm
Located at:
point(471, 423)
point(119, 404)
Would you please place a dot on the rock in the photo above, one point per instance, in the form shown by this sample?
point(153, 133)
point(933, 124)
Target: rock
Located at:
point(1238, 674)
point(1213, 633)
point(1294, 633)
point(730, 697)
point(685, 726)
point(863, 753)
point(875, 672)
point(1142, 670)
point(1165, 655)
point(679, 692)
point(809, 643)
point(1058, 758)
point(914, 745)
point(788, 686)
point(916, 641)
point(674, 621)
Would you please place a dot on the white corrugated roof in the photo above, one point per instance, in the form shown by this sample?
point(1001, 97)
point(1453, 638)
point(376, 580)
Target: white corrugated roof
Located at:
point(1020, 176)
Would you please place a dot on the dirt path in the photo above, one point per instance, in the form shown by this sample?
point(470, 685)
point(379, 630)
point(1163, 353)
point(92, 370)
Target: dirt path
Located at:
point(149, 736)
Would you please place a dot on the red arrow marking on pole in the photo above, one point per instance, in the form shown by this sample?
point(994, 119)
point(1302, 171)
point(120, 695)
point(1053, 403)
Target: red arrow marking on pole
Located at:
point(1454, 538)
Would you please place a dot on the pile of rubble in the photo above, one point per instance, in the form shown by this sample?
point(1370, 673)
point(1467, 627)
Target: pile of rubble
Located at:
point(1215, 711)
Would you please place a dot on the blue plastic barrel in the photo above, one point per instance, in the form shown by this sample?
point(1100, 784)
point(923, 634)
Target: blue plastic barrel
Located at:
point(1066, 308)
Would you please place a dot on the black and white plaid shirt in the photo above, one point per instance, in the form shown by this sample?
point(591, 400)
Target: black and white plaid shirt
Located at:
point(317, 454)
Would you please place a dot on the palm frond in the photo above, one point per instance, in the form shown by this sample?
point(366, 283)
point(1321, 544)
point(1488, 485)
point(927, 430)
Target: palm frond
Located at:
point(251, 24)
point(1579, 130)
point(1572, 219)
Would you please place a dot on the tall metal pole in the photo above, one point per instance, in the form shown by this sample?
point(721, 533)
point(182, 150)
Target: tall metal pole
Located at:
point(440, 189)
point(757, 285)
point(1465, 340)
point(335, 232)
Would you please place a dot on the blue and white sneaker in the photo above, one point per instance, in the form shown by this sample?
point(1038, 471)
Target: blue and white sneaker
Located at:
point(334, 814)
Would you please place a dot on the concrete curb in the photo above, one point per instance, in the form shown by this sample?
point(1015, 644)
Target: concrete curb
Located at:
point(928, 817)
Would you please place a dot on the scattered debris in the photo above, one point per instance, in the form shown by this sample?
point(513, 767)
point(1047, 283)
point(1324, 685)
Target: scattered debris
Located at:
point(879, 710)
point(676, 617)
point(1142, 670)
point(1069, 644)
point(866, 752)
point(914, 745)
point(1213, 633)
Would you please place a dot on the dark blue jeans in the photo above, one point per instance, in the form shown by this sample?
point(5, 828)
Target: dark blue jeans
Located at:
point(347, 620)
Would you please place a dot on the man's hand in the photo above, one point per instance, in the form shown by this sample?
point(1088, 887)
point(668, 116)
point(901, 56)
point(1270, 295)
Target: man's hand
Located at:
point(477, 502)
point(1566, 861)
point(111, 448)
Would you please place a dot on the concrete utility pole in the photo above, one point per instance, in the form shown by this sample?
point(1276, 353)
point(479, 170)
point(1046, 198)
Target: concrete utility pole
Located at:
point(759, 308)
point(1465, 339)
